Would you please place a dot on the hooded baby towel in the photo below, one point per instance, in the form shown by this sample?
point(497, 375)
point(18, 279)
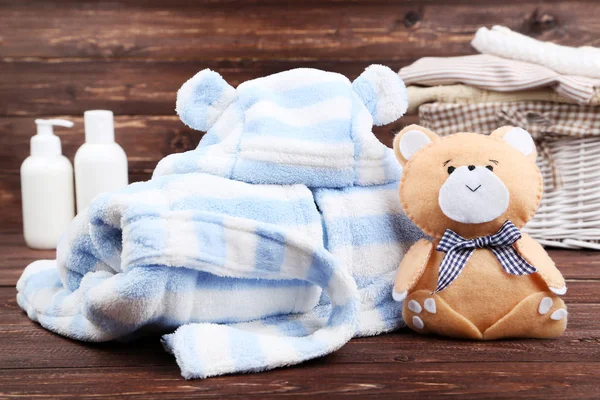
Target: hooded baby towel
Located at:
point(275, 241)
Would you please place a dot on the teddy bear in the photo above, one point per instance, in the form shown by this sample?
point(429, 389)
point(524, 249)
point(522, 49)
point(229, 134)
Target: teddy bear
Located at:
point(480, 277)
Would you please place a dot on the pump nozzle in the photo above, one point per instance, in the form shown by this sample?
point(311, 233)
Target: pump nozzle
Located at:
point(45, 125)
point(45, 143)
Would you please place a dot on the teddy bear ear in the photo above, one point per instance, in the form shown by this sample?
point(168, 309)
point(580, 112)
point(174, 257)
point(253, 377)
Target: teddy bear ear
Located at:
point(383, 93)
point(518, 138)
point(410, 140)
point(203, 98)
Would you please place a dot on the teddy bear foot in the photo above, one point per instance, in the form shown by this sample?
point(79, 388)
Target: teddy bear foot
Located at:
point(540, 315)
point(546, 305)
point(414, 306)
point(425, 313)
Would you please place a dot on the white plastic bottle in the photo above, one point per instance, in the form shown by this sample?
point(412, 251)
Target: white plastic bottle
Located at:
point(100, 163)
point(46, 188)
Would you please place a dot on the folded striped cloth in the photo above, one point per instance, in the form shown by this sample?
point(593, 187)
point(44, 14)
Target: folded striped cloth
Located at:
point(464, 94)
point(499, 74)
point(274, 242)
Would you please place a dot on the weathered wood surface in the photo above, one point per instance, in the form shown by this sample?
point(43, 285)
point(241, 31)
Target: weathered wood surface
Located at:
point(131, 57)
point(522, 380)
point(292, 30)
point(58, 59)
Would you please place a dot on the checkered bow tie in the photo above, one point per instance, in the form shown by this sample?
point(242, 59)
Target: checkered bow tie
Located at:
point(458, 251)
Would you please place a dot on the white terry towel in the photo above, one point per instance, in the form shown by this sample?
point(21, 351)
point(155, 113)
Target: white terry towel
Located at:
point(501, 41)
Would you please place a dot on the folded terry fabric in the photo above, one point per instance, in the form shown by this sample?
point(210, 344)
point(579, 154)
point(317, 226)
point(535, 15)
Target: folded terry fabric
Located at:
point(501, 41)
point(498, 74)
point(463, 94)
point(275, 241)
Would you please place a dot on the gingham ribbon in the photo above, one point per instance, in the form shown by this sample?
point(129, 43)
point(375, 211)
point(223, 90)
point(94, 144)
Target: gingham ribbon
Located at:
point(458, 251)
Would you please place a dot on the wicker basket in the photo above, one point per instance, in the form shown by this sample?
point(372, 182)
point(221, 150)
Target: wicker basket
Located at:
point(569, 214)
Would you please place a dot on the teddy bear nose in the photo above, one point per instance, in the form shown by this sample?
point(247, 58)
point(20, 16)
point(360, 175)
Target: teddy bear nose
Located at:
point(471, 167)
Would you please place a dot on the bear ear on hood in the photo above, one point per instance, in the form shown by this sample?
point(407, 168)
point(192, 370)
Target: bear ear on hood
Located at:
point(203, 98)
point(383, 93)
point(518, 138)
point(410, 140)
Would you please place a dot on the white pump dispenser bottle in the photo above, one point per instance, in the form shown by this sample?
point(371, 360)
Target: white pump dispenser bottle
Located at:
point(100, 163)
point(46, 187)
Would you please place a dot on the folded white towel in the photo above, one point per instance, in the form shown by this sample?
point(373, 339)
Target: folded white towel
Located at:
point(501, 41)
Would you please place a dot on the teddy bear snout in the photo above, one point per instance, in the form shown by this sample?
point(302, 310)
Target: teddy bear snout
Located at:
point(473, 194)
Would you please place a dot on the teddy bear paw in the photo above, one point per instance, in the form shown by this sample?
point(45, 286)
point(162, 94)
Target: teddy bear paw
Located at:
point(558, 291)
point(546, 305)
point(430, 305)
point(399, 296)
point(415, 307)
point(559, 314)
point(418, 322)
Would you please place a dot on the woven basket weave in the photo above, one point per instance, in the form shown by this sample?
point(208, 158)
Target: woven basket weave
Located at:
point(569, 214)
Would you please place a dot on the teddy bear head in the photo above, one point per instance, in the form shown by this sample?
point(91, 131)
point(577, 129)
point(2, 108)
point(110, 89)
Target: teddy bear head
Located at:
point(468, 182)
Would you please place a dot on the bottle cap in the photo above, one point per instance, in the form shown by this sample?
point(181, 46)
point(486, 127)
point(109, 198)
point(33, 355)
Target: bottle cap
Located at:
point(45, 142)
point(99, 126)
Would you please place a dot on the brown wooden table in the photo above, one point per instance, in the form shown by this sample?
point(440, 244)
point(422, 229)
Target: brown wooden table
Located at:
point(37, 363)
point(60, 58)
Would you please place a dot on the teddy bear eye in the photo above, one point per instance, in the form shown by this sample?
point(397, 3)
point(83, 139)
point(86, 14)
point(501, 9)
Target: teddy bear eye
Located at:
point(490, 168)
point(451, 170)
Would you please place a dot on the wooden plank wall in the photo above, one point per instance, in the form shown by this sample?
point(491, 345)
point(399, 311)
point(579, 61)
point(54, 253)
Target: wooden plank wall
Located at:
point(60, 58)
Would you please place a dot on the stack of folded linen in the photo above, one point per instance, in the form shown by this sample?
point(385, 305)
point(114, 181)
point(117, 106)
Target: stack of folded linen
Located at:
point(551, 91)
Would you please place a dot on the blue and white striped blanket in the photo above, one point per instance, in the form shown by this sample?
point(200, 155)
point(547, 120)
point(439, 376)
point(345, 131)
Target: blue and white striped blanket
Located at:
point(274, 242)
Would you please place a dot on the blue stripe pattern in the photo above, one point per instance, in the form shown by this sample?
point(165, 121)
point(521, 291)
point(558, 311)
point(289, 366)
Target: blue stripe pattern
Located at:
point(274, 242)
